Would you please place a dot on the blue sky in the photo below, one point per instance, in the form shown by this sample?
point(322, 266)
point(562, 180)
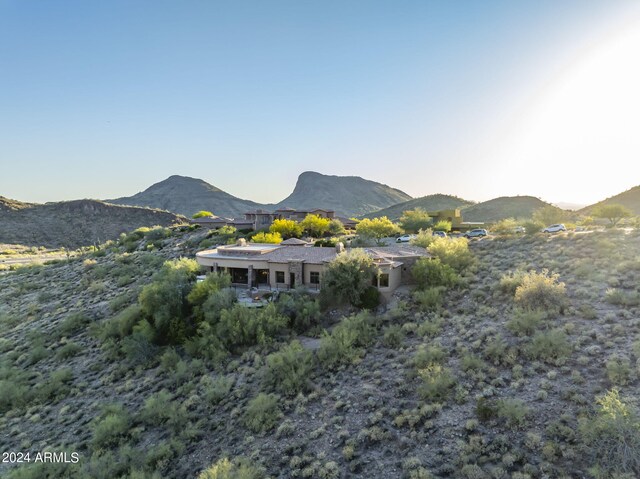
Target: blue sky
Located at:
point(102, 99)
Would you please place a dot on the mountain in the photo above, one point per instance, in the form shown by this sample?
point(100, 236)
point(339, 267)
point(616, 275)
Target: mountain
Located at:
point(346, 195)
point(629, 198)
point(519, 207)
point(186, 196)
point(429, 203)
point(71, 224)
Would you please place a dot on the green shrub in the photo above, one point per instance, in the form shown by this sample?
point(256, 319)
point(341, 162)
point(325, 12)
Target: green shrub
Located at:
point(159, 408)
point(618, 370)
point(164, 302)
point(73, 324)
point(424, 238)
point(428, 272)
point(238, 469)
point(514, 411)
point(426, 355)
point(497, 351)
point(111, 428)
point(393, 336)
point(430, 299)
point(288, 370)
point(525, 322)
point(262, 413)
point(532, 227)
point(215, 390)
point(541, 291)
point(201, 291)
point(436, 382)
point(344, 344)
point(550, 346)
point(369, 299)
point(611, 437)
point(302, 310)
point(68, 350)
point(510, 281)
point(622, 298)
point(453, 252)
point(121, 325)
point(347, 278)
point(241, 326)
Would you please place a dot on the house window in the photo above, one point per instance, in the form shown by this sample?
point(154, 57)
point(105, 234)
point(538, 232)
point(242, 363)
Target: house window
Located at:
point(279, 276)
point(384, 280)
point(314, 277)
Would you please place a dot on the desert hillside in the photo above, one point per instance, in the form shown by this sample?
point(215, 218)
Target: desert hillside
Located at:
point(71, 224)
point(457, 383)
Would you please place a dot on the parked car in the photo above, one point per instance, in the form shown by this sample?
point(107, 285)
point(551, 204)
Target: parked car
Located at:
point(554, 228)
point(519, 229)
point(441, 234)
point(404, 238)
point(476, 233)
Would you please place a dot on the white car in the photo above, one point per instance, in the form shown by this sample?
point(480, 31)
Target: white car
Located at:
point(554, 228)
point(476, 233)
point(519, 229)
point(404, 238)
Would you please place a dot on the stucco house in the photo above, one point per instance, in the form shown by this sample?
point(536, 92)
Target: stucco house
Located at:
point(297, 263)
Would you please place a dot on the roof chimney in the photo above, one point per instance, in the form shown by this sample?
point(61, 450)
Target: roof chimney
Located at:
point(339, 247)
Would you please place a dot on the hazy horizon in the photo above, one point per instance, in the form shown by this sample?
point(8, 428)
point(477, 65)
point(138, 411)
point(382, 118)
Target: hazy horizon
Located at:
point(474, 100)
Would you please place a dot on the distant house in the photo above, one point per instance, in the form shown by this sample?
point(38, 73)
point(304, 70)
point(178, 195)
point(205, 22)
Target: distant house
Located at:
point(296, 263)
point(455, 217)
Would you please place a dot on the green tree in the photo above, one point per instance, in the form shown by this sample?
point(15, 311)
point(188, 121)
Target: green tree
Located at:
point(336, 227)
point(442, 225)
point(201, 291)
point(415, 220)
point(262, 237)
point(453, 252)
point(613, 212)
point(505, 227)
point(286, 228)
point(377, 228)
point(429, 272)
point(164, 301)
point(549, 215)
point(202, 214)
point(315, 225)
point(348, 277)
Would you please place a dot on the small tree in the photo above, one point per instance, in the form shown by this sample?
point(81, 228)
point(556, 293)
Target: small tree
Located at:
point(262, 237)
point(377, 228)
point(286, 228)
point(549, 214)
point(505, 227)
point(348, 277)
point(431, 272)
point(453, 252)
point(442, 225)
point(613, 212)
point(532, 227)
point(415, 220)
point(202, 214)
point(315, 225)
point(541, 291)
point(336, 227)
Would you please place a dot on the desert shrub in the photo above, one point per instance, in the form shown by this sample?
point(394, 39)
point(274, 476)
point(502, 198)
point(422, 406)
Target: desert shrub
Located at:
point(510, 281)
point(618, 370)
point(369, 299)
point(218, 302)
point(393, 336)
point(532, 227)
point(426, 355)
point(241, 326)
point(68, 350)
point(497, 350)
point(526, 321)
point(429, 272)
point(73, 324)
point(413, 221)
point(622, 298)
point(138, 348)
point(236, 469)
point(202, 290)
point(111, 428)
point(206, 344)
point(453, 252)
point(442, 225)
point(345, 342)
point(286, 228)
point(550, 346)
point(215, 390)
point(14, 389)
point(471, 362)
point(302, 310)
point(506, 226)
point(424, 238)
point(611, 437)
point(288, 370)
point(347, 277)
point(437, 382)
point(430, 299)
point(164, 302)
point(541, 291)
point(159, 409)
point(262, 413)
point(485, 409)
point(514, 411)
point(122, 324)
